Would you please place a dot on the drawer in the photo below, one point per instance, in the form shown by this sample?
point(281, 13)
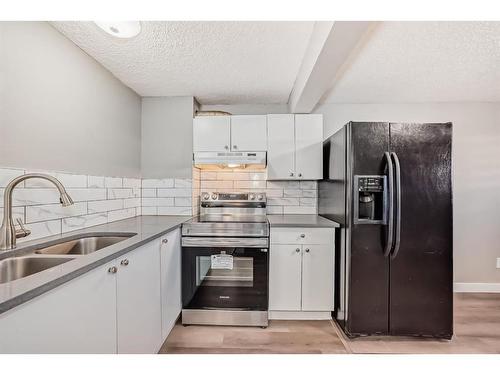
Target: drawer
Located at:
point(296, 235)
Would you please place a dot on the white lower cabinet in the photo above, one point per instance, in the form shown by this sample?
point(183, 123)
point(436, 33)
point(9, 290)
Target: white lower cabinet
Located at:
point(301, 275)
point(138, 299)
point(128, 305)
point(171, 299)
point(76, 317)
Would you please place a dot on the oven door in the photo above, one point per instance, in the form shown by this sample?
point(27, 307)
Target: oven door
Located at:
point(225, 273)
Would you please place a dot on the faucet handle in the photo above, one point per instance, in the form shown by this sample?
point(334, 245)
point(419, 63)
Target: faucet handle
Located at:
point(23, 232)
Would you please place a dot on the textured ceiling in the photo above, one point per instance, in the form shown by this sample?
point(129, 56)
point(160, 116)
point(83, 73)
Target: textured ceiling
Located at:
point(424, 62)
point(217, 62)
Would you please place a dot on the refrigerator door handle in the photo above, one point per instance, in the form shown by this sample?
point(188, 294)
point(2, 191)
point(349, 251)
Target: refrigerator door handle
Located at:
point(397, 241)
point(390, 220)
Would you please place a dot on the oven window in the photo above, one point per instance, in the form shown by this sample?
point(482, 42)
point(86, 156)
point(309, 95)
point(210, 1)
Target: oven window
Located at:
point(212, 272)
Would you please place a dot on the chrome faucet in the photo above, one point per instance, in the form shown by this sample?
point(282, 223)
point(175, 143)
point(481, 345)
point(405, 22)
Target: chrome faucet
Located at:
point(8, 231)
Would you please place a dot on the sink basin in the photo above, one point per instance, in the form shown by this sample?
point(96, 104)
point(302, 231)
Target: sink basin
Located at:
point(83, 246)
point(19, 267)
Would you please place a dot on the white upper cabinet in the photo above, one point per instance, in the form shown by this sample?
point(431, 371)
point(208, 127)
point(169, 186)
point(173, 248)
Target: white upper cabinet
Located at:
point(295, 147)
point(309, 147)
point(248, 133)
point(211, 133)
point(139, 300)
point(281, 147)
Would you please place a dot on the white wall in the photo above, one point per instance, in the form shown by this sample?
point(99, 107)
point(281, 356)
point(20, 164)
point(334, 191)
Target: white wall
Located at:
point(61, 110)
point(476, 175)
point(246, 109)
point(167, 137)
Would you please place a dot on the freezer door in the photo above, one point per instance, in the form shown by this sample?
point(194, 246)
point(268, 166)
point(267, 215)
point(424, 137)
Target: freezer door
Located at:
point(367, 269)
point(421, 273)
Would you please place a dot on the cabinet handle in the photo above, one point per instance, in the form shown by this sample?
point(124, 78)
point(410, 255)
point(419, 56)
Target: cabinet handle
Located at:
point(112, 269)
point(300, 174)
point(307, 250)
point(226, 147)
point(302, 235)
point(165, 240)
point(235, 147)
point(124, 262)
point(291, 174)
point(297, 250)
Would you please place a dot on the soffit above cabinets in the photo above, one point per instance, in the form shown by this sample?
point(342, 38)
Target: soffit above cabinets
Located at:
point(423, 62)
point(217, 62)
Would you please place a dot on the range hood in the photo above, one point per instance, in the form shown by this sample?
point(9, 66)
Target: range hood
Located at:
point(223, 160)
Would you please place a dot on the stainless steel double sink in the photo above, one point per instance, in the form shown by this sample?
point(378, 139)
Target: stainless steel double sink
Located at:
point(41, 257)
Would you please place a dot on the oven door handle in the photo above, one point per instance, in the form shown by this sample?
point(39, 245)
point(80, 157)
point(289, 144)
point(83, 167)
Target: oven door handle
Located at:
point(224, 242)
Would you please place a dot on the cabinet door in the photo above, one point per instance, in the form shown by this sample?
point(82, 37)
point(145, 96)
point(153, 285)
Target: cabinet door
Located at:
point(248, 133)
point(317, 278)
point(284, 277)
point(309, 147)
point(171, 302)
point(281, 147)
point(211, 133)
point(139, 300)
point(76, 317)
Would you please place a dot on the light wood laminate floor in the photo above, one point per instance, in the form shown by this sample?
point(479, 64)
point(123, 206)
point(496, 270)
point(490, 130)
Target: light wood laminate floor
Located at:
point(476, 319)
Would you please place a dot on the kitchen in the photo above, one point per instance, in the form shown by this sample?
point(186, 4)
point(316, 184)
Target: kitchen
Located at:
point(314, 198)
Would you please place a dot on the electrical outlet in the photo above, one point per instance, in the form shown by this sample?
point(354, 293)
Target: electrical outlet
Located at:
point(498, 262)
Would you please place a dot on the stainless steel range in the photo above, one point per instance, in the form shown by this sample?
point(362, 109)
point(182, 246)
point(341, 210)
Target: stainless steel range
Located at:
point(225, 264)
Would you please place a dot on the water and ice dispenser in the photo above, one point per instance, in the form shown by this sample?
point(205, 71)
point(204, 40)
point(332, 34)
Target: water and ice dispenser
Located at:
point(370, 199)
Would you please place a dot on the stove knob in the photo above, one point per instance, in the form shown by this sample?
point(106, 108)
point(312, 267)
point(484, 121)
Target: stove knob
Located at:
point(260, 197)
point(252, 196)
point(206, 196)
point(214, 196)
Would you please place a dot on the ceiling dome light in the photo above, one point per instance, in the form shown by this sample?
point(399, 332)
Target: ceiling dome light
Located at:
point(127, 29)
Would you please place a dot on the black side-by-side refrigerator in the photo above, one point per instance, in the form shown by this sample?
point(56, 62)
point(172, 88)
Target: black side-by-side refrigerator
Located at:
point(389, 186)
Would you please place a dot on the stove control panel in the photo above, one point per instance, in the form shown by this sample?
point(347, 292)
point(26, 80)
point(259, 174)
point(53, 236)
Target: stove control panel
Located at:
point(229, 197)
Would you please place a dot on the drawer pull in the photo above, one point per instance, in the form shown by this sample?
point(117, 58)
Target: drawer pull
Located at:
point(297, 250)
point(307, 250)
point(302, 235)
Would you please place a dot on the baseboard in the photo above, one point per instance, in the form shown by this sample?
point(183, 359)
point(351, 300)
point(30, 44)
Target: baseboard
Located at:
point(476, 287)
point(300, 315)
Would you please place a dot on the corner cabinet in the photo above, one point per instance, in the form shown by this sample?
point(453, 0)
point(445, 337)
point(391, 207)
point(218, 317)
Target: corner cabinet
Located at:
point(295, 147)
point(230, 133)
point(301, 273)
point(128, 305)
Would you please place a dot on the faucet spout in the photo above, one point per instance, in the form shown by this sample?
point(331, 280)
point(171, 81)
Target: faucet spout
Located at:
point(8, 232)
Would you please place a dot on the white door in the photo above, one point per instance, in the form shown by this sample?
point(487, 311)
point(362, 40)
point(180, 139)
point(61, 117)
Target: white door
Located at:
point(284, 277)
point(281, 147)
point(211, 133)
point(139, 300)
point(76, 317)
point(171, 303)
point(309, 147)
point(317, 278)
point(249, 133)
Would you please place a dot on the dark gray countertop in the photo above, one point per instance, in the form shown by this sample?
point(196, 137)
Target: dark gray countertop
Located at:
point(313, 221)
point(147, 228)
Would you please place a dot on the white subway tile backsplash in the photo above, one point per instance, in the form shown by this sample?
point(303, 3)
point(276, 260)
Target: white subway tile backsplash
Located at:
point(132, 183)
point(308, 202)
point(182, 183)
point(162, 202)
point(148, 193)
point(120, 193)
point(121, 214)
point(17, 212)
point(54, 211)
point(292, 193)
point(299, 210)
point(250, 184)
point(132, 202)
point(8, 174)
point(149, 210)
point(283, 201)
point(68, 180)
point(174, 192)
point(204, 175)
point(308, 185)
point(113, 182)
point(95, 181)
point(84, 221)
point(183, 202)
point(149, 202)
point(275, 210)
point(158, 183)
point(81, 195)
point(42, 229)
point(105, 205)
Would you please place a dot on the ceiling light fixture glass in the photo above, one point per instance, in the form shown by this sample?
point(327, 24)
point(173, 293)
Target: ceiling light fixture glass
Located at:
point(120, 29)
